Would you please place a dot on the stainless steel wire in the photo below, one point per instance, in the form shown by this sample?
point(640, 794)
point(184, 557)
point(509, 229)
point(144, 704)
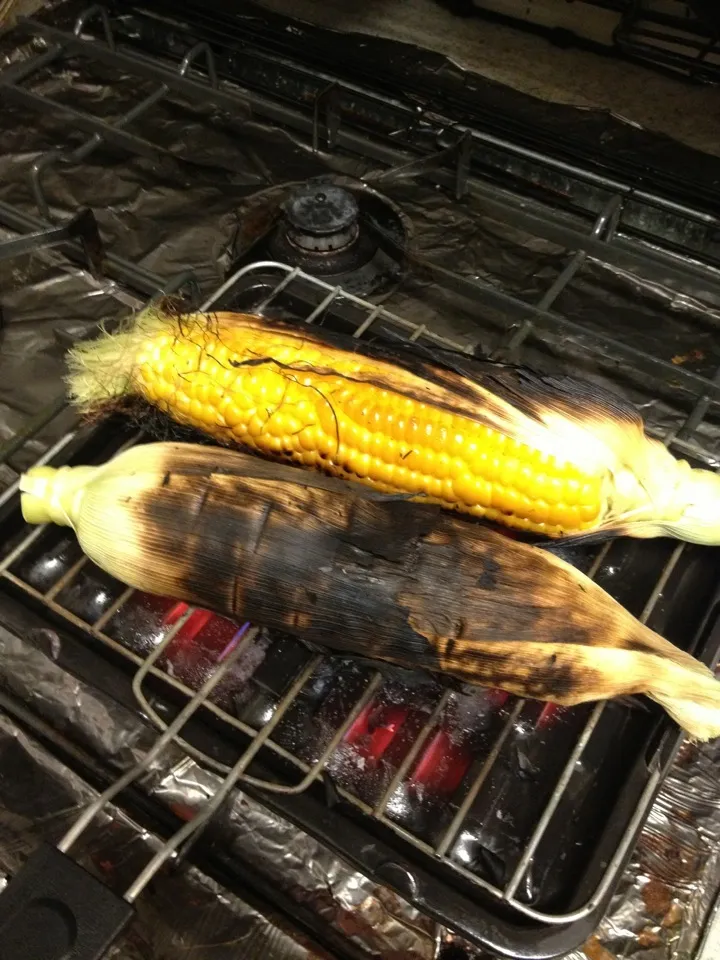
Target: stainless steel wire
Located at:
point(324, 296)
point(599, 239)
point(162, 741)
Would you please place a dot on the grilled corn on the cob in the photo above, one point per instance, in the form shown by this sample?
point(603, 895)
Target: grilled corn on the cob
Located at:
point(550, 456)
point(356, 571)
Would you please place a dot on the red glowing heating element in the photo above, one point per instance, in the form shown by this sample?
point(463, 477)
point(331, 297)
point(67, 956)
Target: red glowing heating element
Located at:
point(443, 760)
point(379, 732)
point(375, 729)
point(442, 765)
point(201, 642)
point(188, 633)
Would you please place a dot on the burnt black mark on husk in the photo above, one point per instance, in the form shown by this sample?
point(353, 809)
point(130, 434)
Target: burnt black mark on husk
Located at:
point(380, 580)
point(552, 679)
point(201, 499)
point(196, 543)
point(297, 573)
point(489, 570)
point(546, 680)
point(450, 649)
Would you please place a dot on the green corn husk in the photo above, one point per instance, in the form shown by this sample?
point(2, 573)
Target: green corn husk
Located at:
point(366, 574)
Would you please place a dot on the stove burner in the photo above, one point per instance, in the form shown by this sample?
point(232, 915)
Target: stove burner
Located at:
point(322, 219)
point(336, 229)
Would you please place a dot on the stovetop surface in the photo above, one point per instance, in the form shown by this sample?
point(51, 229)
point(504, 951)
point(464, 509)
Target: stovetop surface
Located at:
point(190, 193)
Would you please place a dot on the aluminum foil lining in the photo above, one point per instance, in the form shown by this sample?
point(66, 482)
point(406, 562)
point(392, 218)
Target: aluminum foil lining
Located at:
point(183, 212)
point(187, 913)
point(376, 919)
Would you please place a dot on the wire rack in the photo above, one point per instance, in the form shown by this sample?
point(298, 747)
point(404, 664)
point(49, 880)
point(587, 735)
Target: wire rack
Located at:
point(292, 281)
point(670, 38)
point(329, 122)
point(604, 241)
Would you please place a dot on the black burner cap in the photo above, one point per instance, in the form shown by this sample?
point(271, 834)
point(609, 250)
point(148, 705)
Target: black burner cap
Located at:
point(322, 209)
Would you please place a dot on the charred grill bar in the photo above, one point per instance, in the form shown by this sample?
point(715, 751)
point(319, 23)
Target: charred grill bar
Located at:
point(490, 896)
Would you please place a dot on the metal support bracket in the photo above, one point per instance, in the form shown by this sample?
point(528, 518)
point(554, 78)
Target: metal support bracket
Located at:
point(328, 101)
point(82, 227)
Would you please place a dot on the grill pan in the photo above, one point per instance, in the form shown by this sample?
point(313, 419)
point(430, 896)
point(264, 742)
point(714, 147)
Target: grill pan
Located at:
point(509, 821)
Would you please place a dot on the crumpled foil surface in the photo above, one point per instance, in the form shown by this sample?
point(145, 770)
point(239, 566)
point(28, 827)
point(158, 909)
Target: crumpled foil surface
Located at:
point(187, 914)
point(667, 892)
point(374, 919)
point(180, 212)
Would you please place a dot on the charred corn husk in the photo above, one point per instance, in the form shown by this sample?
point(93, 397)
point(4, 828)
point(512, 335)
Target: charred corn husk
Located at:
point(355, 571)
point(550, 456)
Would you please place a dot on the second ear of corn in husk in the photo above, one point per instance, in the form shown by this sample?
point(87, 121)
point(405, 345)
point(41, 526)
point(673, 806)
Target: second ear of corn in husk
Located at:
point(355, 571)
point(552, 456)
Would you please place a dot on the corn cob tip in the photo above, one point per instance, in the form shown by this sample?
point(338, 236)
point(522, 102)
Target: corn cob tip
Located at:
point(53, 495)
point(695, 708)
point(102, 370)
point(697, 499)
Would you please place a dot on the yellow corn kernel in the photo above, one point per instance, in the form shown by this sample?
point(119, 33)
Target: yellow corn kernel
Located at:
point(509, 469)
point(538, 511)
point(358, 463)
point(381, 473)
point(257, 426)
point(572, 490)
point(327, 444)
point(182, 402)
point(415, 482)
point(471, 490)
point(308, 438)
point(588, 513)
point(318, 406)
point(488, 464)
point(434, 487)
point(234, 415)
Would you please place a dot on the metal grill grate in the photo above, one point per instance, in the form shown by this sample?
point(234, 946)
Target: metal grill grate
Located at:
point(671, 38)
point(315, 301)
point(301, 287)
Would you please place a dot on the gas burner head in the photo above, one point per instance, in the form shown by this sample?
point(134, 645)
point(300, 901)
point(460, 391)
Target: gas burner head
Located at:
point(322, 218)
point(336, 229)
